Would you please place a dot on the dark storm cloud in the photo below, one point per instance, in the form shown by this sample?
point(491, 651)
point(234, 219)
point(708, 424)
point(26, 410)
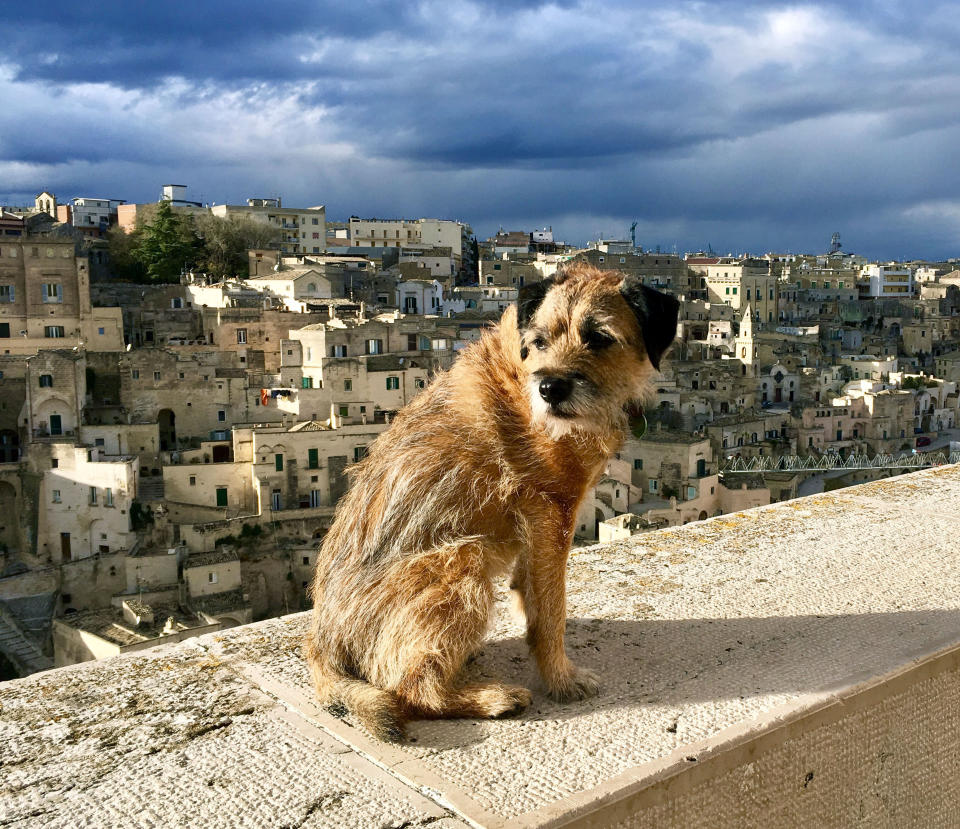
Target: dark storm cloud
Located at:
point(764, 124)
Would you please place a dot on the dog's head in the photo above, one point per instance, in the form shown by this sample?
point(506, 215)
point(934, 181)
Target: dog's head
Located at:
point(589, 342)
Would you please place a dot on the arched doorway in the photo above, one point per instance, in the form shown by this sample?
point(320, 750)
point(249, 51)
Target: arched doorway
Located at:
point(167, 420)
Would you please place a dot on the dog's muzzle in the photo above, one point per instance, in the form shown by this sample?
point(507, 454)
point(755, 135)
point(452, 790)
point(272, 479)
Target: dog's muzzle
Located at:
point(555, 389)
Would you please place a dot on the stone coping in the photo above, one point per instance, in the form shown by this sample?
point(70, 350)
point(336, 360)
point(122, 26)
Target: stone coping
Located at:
point(710, 639)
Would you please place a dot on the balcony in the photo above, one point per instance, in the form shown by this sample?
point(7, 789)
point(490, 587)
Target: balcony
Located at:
point(794, 665)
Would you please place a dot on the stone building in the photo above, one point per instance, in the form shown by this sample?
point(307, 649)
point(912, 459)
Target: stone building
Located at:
point(45, 299)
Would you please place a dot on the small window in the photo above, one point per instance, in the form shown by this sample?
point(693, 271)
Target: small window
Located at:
point(348, 385)
point(638, 463)
point(193, 480)
point(135, 374)
point(359, 453)
point(344, 411)
point(211, 578)
point(393, 383)
point(56, 496)
point(313, 458)
point(221, 415)
point(156, 375)
point(108, 497)
point(46, 381)
point(241, 336)
point(278, 462)
point(53, 331)
point(93, 495)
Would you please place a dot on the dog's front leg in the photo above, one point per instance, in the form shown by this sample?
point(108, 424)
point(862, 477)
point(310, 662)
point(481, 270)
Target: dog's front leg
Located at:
point(545, 602)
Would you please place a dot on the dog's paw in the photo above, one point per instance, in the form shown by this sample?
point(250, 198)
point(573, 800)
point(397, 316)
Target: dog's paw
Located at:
point(503, 700)
point(579, 684)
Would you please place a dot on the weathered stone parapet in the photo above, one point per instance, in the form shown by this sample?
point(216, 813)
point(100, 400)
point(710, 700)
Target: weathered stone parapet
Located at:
point(794, 665)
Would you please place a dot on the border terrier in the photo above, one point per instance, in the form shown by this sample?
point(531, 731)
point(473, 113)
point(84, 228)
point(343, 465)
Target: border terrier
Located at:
point(483, 471)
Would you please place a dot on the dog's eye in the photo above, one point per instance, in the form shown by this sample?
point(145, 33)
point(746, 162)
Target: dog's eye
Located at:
point(597, 340)
point(539, 343)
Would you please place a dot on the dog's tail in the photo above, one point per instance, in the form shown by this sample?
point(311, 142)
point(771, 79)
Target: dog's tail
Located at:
point(378, 710)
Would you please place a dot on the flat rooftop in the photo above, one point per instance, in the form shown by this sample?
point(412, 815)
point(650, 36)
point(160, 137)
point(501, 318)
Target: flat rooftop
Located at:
point(792, 665)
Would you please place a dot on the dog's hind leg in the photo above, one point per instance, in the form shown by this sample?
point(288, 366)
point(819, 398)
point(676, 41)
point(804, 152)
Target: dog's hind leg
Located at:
point(430, 638)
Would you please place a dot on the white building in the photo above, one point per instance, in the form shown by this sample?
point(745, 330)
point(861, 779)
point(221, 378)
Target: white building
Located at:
point(891, 280)
point(85, 502)
point(419, 296)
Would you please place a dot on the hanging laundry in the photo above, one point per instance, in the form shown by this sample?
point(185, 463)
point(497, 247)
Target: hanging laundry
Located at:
point(264, 397)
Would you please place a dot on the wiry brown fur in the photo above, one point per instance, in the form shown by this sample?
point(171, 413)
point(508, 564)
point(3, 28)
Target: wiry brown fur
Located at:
point(470, 480)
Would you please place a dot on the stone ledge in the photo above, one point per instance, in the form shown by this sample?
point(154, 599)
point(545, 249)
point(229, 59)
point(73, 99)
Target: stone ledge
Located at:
point(791, 665)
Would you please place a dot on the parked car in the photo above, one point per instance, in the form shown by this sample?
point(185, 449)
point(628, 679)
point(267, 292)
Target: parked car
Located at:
point(923, 440)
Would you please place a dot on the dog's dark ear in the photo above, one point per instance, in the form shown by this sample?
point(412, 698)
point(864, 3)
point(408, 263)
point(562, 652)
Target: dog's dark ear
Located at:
point(656, 313)
point(528, 300)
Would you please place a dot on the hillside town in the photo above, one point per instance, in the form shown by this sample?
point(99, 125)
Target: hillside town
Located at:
point(176, 428)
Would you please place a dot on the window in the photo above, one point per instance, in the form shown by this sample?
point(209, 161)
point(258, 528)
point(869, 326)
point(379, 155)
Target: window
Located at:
point(99, 442)
point(419, 383)
point(93, 496)
point(313, 459)
point(156, 375)
point(359, 453)
point(654, 485)
point(53, 331)
point(101, 331)
point(221, 496)
point(221, 415)
point(52, 292)
point(46, 381)
point(4, 330)
point(176, 302)
point(344, 411)
point(7, 293)
point(638, 463)
point(56, 496)
point(193, 480)
point(348, 385)
point(108, 497)
point(314, 502)
point(241, 336)
point(278, 462)
point(374, 346)
point(438, 345)
point(54, 463)
point(135, 374)
point(393, 383)
point(211, 578)
point(338, 351)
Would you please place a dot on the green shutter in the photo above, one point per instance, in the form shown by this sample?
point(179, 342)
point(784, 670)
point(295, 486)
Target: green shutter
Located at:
point(221, 496)
point(278, 460)
point(313, 458)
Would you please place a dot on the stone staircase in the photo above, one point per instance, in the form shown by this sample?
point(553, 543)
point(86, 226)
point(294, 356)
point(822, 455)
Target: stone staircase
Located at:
point(19, 647)
point(150, 489)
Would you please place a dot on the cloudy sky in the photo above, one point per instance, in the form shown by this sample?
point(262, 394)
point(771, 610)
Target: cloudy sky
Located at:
point(746, 126)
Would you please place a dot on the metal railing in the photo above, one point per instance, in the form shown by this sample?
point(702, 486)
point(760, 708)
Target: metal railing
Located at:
point(799, 463)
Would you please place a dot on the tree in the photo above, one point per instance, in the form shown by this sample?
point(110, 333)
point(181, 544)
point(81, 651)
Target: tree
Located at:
point(227, 240)
point(167, 245)
point(122, 250)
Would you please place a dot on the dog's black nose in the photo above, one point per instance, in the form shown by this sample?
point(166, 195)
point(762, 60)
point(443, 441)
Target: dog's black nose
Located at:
point(555, 389)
